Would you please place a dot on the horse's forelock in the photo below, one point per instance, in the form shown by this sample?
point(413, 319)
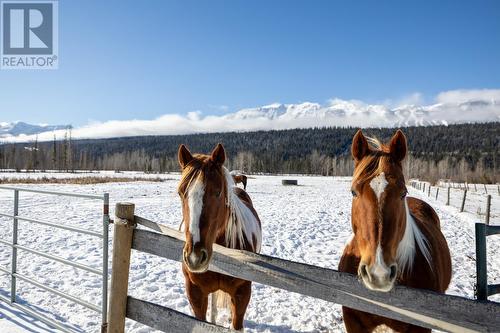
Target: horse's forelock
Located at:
point(372, 164)
point(200, 168)
point(190, 173)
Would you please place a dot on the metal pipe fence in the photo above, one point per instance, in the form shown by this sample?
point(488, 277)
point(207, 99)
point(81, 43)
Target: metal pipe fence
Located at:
point(483, 289)
point(15, 275)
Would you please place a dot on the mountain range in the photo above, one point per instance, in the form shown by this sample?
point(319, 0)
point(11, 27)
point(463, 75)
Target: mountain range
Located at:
point(22, 128)
point(451, 107)
point(354, 113)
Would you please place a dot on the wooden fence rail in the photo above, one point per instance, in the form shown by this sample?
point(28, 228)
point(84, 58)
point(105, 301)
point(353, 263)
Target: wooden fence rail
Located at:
point(168, 320)
point(423, 308)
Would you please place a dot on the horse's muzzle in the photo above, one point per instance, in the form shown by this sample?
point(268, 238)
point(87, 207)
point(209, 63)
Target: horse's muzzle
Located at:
point(378, 278)
point(196, 261)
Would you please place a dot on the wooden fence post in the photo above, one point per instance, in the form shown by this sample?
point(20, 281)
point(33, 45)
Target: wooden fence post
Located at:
point(463, 201)
point(475, 187)
point(437, 192)
point(448, 197)
point(122, 245)
point(488, 207)
point(485, 189)
point(423, 188)
point(429, 191)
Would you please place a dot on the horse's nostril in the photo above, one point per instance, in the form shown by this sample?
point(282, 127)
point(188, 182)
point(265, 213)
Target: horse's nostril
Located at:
point(363, 271)
point(394, 271)
point(203, 256)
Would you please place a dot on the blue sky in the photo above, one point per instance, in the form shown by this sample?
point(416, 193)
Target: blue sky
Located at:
point(142, 59)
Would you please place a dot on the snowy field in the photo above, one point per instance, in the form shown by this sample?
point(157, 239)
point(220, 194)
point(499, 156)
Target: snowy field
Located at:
point(309, 223)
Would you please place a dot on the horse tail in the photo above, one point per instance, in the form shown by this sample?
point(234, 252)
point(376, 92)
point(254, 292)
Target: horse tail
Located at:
point(219, 300)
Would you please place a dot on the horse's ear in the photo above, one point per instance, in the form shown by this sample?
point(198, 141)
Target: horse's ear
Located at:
point(184, 156)
point(218, 154)
point(398, 146)
point(359, 147)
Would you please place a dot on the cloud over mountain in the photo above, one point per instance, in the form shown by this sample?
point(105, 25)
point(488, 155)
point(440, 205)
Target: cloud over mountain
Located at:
point(456, 106)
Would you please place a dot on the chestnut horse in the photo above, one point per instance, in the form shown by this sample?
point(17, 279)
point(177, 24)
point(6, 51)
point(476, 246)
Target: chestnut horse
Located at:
point(214, 211)
point(239, 178)
point(396, 239)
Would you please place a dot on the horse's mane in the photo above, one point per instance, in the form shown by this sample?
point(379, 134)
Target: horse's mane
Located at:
point(371, 166)
point(242, 222)
point(406, 249)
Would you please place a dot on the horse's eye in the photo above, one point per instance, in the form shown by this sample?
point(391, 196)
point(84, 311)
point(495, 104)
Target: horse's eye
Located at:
point(354, 194)
point(403, 195)
point(218, 194)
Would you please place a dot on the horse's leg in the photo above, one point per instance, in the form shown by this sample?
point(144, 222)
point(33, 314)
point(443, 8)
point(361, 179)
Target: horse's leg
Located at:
point(239, 303)
point(354, 323)
point(198, 300)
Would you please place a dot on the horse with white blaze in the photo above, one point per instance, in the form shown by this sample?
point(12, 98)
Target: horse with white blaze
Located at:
point(214, 210)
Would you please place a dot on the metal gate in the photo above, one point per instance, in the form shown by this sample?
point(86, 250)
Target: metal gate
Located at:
point(483, 289)
point(14, 275)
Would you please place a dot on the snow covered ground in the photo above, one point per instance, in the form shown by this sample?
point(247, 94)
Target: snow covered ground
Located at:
point(309, 223)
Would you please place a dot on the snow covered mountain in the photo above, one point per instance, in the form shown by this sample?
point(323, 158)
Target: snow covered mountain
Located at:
point(449, 107)
point(355, 113)
point(22, 128)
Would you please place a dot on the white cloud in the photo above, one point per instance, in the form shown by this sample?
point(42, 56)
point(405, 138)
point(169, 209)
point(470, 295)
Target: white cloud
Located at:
point(455, 106)
point(462, 96)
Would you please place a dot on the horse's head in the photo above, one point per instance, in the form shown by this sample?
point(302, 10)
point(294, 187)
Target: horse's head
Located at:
point(378, 207)
point(203, 193)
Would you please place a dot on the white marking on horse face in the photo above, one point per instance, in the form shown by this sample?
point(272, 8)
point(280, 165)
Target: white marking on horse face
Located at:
point(378, 185)
point(195, 203)
point(379, 268)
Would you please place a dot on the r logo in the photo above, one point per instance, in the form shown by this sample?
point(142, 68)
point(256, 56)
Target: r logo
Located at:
point(27, 28)
point(29, 34)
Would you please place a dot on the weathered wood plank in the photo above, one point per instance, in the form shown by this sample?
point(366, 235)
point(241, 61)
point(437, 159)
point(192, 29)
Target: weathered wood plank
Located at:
point(424, 308)
point(168, 320)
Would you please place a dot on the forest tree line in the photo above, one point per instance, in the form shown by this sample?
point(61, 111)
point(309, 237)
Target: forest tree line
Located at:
point(465, 152)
